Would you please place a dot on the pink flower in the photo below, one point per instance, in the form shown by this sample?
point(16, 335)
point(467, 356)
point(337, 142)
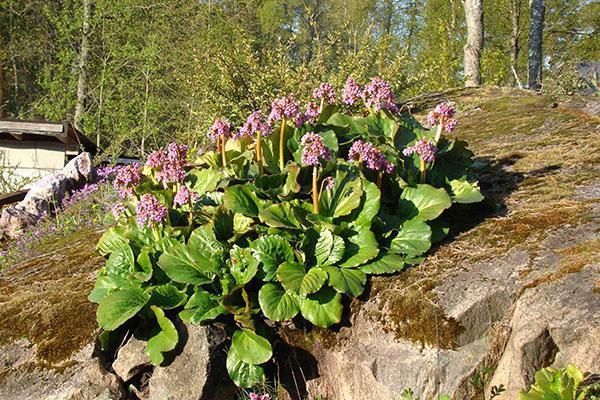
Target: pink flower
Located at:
point(351, 91)
point(284, 107)
point(170, 164)
point(311, 115)
point(127, 177)
point(370, 156)
point(444, 114)
point(314, 149)
point(150, 211)
point(117, 210)
point(424, 149)
point(325, 92)
point(329, 182)
point(185, 196)
point(254, 124)
point(221, 127)
point(379, 96)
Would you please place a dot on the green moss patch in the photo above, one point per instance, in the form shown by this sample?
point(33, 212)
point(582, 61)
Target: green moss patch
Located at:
point(44, 299)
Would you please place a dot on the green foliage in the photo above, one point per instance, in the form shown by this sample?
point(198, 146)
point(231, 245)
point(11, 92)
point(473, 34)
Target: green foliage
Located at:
point(562, 384)
point(251, 247)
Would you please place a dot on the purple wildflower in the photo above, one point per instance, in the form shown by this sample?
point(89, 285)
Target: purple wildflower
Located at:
point(170, 165)
point(379, 96)
point(221, 127)
point(156, 159)
point(149, 210)
point(442, 114)
point(312, 112)
point(325, 92)
point(329, 182)
point(185, 196)
point(127, 177)
point(314, 149)
point(254, 124)
point(107, 173)
point(254, 396)
point(78, 195)
point(370, 156)
point(424, 148)
point(117, 210)
point(284, 107)
point(351, 91)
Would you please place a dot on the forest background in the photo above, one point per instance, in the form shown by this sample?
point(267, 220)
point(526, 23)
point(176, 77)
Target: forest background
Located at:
point(136, 74)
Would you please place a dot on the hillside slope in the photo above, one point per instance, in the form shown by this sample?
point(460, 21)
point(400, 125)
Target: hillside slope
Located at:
point(515, 287)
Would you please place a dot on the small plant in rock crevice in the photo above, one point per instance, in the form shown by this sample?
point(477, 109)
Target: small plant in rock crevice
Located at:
point(280, 222)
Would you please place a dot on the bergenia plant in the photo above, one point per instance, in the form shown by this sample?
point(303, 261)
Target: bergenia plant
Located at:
point(254, 239)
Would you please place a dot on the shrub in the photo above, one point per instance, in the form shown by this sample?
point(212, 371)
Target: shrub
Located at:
point(562, 384)
point(285, 217)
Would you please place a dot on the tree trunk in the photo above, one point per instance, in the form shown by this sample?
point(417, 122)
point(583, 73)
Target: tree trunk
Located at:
point(2, 63)
point(536, 30)
point(515, 19)
point(84, 55)
point(474, 46)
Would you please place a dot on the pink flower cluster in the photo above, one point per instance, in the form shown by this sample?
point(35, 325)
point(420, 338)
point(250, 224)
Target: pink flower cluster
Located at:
point(117, 210)
point(314, 149)
point(325, 92)
point(351, 91)
point(444, 114)
point(185, 196)
point(107, 173)
point(379, 96)
point(424, 148)
point(329, 182)
point(150, 211)
point(254, 396)
point(170, 165)
point(127, 177)
point(370, 156)
point(254, 123)
point(311, 115)
point(220, 128)
point(284, 107)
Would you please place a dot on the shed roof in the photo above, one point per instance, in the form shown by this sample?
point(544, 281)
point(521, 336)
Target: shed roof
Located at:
point(63, 132)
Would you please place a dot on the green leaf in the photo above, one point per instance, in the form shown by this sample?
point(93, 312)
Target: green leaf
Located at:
point(204, 180)
point(323, 308)
point(361, 247)
point(250, 347)
point(243, 374)
point(243, 265)
point(121, 262)
point(430, 202)
point(313, 281)
point(386, 263)
point(241, 199)
point(112, 240)
point(413, 239)
point(291, 185)
point(182, 266)
point(465, 192)
point(291, 274)
point(202, 307)
point(204, 241)
point(370, 205)
point(144, 262)
point(167, 297)
point(280, 216)
point(271, 250)
point(119, 306)
point(345, 195)
point(103, 285)
point(165, 339)
point(323, 246)
point(276, 303)
point(242, 224)
point(345, 280)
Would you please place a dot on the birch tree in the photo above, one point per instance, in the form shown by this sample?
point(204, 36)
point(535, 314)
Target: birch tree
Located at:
point(84, 56)
point(536, 30)
point(474, 46)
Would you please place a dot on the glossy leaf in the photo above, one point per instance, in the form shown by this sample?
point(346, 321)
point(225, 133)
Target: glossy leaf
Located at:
point(241, 199)
point(243, 264)
point(119, 306)
point(182, 266)
point(413, 239)
point(243, 374)
point(323, 308)
point(361, 247)
point(280, 216)
point(164, 339)
point(276, 303)
point(386, 263)
point(345, 195)
point(346, 280)
point(465, 192)
point(430, 202)
point(251, 347)
point(271, 251)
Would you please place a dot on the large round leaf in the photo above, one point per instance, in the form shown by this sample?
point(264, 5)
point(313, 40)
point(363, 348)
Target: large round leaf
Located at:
point(346, 280)
point(361, 246)
point(250, 347)
point(243, 374)
point(243, 200)
point(280, 216)
point(117, 307)
point(243, 264)
point(163, 339)
point(276, 303)
point(312, 281)
point(465, 192)
point(386, 263)
point(329, 248)
point(370, 205)
point(345, 195)
point(202, 307)
point(323, 308)
point(291, 274)
point(112, 240)
point(272, 251)
point(167, 297)
point(183, 266)
point(430, 202)
point(413, 239)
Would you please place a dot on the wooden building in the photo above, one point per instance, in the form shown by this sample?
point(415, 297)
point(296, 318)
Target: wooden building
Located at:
point(32, 149)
